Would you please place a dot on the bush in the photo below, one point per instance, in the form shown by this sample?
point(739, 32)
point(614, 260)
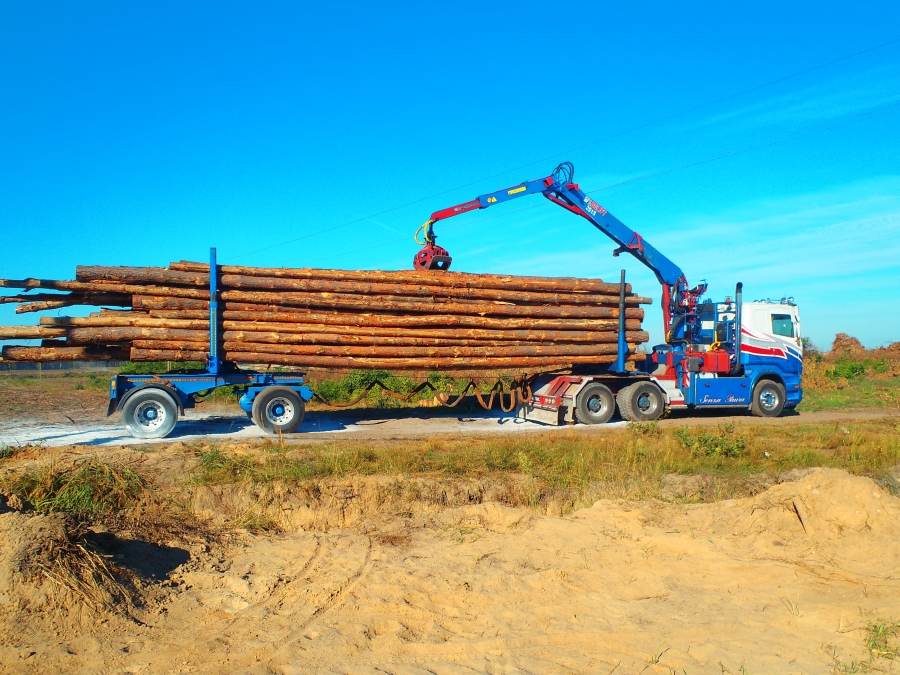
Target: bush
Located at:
point(723, 443)
point(849, 369)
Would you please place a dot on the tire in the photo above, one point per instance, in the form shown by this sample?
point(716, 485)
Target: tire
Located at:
point(768, 399)
point(278, 410)
point(595, 404)
point(641, 402)
point(150, 413)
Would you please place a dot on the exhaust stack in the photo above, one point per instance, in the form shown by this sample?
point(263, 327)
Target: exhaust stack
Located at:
point(738, 304)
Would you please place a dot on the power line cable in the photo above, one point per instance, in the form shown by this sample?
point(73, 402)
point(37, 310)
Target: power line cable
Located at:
point(641, 127)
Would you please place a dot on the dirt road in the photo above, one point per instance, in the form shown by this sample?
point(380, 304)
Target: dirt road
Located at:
point(381, 424)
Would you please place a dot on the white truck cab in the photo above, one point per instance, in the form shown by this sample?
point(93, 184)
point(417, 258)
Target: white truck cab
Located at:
point(777, 320)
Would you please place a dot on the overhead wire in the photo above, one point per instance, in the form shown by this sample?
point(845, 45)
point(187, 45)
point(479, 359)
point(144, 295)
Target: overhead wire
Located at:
point(640, 127)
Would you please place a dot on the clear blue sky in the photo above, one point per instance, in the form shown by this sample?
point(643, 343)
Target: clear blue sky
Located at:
point(755, 143)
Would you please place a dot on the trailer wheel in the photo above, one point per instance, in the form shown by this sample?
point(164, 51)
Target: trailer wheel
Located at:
point(150, 413)
point(595, 404)
point(768, 399)
point(641, 402)
point(278, 410)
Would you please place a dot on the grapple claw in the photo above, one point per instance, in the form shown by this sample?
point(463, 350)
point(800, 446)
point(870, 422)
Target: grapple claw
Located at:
point(432, 257)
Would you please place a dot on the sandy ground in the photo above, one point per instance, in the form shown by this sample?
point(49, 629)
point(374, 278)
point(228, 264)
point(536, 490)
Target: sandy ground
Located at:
point(783, 582)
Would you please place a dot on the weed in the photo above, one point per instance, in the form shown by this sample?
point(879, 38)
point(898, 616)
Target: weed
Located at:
point(644, 428)
point(725, 443)
point(883, 639)
point(87, 490)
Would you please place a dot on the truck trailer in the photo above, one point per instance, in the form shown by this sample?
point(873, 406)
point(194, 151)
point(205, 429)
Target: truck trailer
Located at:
point(716, 354)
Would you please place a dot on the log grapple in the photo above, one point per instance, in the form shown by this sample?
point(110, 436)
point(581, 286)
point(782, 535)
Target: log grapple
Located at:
point(430, 256)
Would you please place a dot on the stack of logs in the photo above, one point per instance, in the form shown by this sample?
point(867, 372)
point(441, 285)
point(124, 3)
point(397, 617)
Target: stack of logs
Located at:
point(339, 319)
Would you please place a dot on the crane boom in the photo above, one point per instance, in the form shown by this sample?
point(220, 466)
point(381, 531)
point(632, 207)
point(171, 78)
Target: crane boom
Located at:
point(678, 299)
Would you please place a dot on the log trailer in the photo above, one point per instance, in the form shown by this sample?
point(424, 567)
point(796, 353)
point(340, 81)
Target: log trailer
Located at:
point(727, 354)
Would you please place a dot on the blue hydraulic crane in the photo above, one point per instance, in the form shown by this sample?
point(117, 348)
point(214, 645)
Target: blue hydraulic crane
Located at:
point(679, 300)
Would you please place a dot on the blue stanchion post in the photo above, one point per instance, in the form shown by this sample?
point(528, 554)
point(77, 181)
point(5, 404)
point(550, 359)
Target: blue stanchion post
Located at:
point(622, 350)
point(214, 363)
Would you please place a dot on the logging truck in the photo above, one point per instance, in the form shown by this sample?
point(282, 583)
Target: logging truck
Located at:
point(716, 354)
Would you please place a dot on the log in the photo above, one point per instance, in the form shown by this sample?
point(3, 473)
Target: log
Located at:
point(350, 339)
point(250, 312)
point(179, 345)
point(47, 354)
point(139, 354)
point(73, 299)
point(432, 306)
point(407, 290)
point(108, 287)
point(519, 363)
point(100, 335)
point(33, 297)
point(405, 340)
point(384, 303)
point(523, 335)
point(141, 275)
point(158, 275)
point(561, 352)
point(419, 277)
point(141, 301)
point(109, 321)
point(29, 332)
point(178, 313)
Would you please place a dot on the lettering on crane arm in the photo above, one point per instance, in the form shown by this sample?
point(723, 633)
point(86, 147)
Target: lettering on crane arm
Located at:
point(731, 398)
point(593, 207)
point(516, 190)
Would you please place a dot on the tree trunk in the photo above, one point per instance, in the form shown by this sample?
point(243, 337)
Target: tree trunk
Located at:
point(419, 277)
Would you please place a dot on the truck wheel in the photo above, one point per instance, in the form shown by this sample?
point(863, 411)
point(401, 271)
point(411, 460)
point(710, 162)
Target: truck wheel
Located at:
point(641, 402)
point(768, 399)
point(150, 413)
point(278, 410)
point(595, 404)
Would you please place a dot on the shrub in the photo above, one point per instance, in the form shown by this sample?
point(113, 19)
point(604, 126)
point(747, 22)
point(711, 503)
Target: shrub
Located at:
point(723, 443)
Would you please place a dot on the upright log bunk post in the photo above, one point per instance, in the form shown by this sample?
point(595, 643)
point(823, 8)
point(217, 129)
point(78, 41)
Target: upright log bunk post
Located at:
point(213, 361)
point(621, 344)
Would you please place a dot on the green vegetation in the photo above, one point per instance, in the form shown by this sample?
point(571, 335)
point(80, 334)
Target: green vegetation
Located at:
point(364, 385)
point(629, 463)
point(722, 443)
point(87, 490)
point(845, 382)
point(150, 367)
point(882, 640)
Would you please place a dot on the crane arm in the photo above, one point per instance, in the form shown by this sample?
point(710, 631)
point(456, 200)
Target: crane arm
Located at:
point(559, 187)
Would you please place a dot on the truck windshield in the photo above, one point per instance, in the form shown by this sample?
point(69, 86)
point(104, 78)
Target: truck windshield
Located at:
point(782, 325)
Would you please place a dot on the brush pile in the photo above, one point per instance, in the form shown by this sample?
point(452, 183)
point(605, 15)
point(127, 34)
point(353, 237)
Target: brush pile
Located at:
point(338, 319)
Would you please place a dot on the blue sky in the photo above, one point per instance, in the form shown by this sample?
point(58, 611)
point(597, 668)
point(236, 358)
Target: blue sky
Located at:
point(758, 145)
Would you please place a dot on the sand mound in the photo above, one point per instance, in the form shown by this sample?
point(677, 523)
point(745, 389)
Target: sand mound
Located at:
point(785, 581)
point(47, 573)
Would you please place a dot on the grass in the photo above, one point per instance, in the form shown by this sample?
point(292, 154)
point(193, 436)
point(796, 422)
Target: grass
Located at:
point(87, 490)
point(382, 389)
point(571, 467)
point(882, 642)
point(843, 382)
